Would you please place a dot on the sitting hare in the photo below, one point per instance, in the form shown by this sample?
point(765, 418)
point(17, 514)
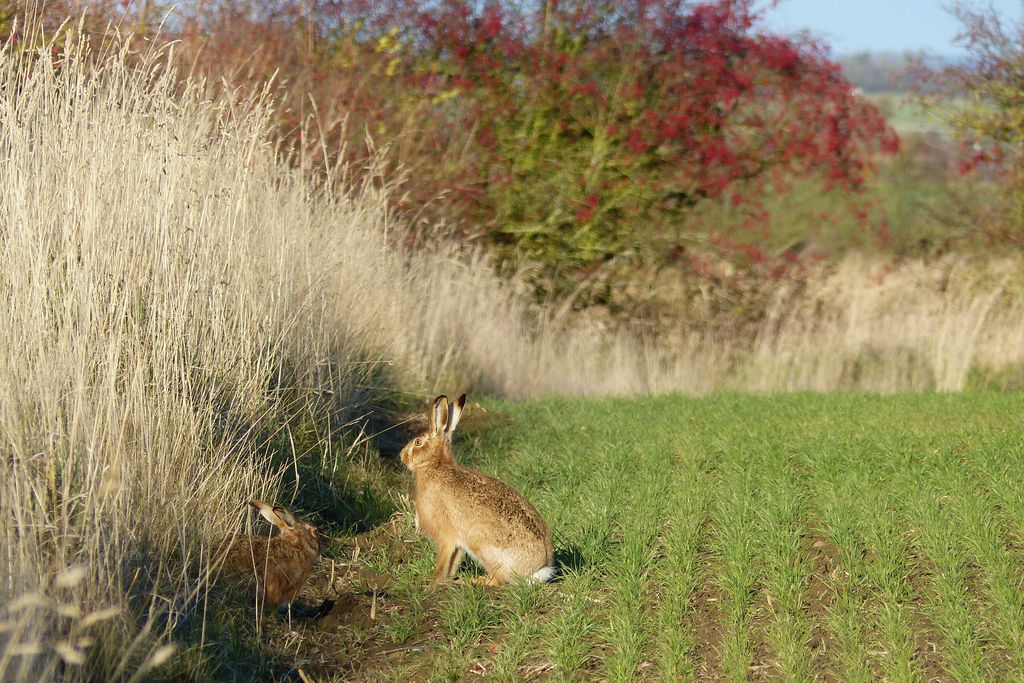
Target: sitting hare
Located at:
point(276, 568)
point(465, 511)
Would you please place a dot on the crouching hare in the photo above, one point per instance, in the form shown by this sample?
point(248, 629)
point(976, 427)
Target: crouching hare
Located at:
point(276, 568)
point(465, 511)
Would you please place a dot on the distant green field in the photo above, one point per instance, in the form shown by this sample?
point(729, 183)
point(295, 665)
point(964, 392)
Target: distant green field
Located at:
point(845, 537)
point(907, 115)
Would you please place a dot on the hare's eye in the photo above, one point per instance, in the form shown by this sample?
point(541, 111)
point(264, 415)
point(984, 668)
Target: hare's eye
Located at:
point(419, 442)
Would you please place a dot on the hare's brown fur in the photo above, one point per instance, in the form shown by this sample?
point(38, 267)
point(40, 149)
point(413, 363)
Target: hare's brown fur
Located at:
point(466, 511)
point(276, 568)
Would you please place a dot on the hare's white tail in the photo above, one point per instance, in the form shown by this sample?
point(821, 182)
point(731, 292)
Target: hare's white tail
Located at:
point(544, 574)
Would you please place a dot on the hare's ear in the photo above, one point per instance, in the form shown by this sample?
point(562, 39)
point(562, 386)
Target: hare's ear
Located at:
point(270, 514)
point(440, 415)
point(287, 517)
point(456, 413)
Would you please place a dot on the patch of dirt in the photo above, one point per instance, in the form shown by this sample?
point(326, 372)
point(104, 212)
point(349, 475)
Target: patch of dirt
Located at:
point(927, 648)
point(348, 610)
point(823, 561)
point(378, 658)
point(927, 641)
point(764, 666)
point(707, 630)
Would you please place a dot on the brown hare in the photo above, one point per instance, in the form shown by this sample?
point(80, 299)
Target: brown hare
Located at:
point(275, 568)
point(465, 511)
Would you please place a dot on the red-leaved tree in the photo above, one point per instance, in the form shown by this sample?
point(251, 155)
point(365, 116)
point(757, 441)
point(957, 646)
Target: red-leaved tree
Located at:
point(598, 127)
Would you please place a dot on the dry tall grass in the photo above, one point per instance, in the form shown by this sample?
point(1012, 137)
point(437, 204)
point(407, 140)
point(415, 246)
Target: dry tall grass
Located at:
point(878, 327)
point(172, 293)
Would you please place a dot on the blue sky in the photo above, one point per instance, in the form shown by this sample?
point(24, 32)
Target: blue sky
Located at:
point(878, 25)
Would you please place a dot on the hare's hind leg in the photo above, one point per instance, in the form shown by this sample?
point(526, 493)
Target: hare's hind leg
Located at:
point(448, 559)
point(456, 560)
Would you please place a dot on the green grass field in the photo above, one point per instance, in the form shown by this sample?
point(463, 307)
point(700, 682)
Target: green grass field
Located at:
point(844, 537)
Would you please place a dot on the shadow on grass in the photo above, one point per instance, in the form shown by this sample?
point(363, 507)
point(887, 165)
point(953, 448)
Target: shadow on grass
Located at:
point(225, 640)
point(341, 488)
point(326, 443)
point(569, 559)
